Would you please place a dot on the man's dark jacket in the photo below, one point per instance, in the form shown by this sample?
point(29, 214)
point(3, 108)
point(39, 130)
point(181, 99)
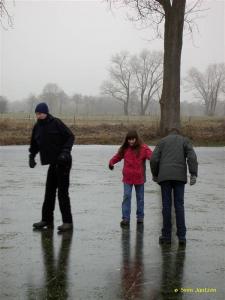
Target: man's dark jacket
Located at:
point(51, 137)
point(170, 159)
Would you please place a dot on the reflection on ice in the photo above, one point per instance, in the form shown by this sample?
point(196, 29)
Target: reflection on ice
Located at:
point(101, 260)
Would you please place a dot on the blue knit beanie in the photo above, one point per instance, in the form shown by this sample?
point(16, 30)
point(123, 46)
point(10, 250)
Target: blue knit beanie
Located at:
point(42, 108)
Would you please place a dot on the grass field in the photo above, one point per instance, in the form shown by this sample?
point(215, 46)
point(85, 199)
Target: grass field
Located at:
point(16, 129)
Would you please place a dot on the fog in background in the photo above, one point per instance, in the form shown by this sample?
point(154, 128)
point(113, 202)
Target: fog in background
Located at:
point(70, 43)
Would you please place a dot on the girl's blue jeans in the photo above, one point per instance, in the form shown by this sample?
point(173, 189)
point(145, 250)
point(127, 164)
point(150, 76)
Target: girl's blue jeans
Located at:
point(126, 205)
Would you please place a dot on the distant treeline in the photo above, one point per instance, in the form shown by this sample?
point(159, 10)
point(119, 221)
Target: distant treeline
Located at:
point(135, 96)
point(100, 105)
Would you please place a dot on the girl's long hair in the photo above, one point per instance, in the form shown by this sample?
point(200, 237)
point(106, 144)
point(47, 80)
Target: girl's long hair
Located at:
point(137, 146)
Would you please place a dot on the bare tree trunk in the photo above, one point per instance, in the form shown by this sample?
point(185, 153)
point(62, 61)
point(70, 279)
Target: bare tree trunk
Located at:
point(142, 105)
point(125, 108)
point(170, 99)
point(127, 101)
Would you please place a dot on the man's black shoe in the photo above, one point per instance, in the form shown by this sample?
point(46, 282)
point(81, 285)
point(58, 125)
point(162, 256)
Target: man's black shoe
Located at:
point(42, 225)
point(182, 242)
point(65, 227)
point(164, 240)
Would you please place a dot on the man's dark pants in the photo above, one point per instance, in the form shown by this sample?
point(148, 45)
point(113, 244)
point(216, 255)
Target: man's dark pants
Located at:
point(177, 187)
point(57, 178)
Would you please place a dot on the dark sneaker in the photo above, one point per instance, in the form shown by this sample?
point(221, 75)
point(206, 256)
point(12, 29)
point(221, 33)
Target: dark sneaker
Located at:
point(125, 223)
point(42, 225)
point(164, 240)
point(65, 227)
point(140, 221)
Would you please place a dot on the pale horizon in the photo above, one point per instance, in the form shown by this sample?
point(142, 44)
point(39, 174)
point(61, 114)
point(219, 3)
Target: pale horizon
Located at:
point(71, 44)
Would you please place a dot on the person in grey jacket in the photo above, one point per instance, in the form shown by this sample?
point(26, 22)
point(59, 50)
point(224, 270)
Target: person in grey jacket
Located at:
point(169, 162)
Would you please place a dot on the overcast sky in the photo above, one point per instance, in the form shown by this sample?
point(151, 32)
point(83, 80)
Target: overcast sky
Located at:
point(71, 43)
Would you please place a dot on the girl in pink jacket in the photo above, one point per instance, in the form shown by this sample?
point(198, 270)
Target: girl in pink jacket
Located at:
point(134, 152)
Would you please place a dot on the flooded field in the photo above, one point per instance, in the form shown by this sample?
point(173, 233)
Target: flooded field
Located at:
point(99, 260)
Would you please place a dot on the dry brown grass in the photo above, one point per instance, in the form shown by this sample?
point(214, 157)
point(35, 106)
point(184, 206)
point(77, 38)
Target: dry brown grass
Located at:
point(111, 130)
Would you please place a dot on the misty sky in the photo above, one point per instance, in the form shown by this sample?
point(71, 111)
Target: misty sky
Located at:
point(71, 43)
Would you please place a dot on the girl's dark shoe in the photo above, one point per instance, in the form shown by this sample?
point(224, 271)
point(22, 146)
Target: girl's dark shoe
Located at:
point(140, 221)
point(42, 225)
point(164, 240)
point(125, 223)
point(65, 227)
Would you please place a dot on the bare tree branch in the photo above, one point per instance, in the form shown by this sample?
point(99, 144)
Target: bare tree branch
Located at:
point(171, 14)
point(4, 14)
point(120, 79)
point(147, 68)
point(152, 12)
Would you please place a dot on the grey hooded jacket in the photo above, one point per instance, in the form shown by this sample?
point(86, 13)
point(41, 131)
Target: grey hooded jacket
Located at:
point(170, 159)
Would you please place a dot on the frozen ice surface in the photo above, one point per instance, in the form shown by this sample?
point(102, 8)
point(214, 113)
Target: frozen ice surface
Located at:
point(100, 260)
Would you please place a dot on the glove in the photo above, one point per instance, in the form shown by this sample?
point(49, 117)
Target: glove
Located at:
point(32, 162)
point(193, 179)
point(111, 167)
point(155, 179)
point(63, 158)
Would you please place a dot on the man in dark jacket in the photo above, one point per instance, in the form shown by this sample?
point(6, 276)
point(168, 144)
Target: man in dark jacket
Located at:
point(169, 168)
point(54, 141)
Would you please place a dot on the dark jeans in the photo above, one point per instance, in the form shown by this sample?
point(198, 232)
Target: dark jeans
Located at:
point(177, 187)
point(126, 205)
point(57, 178)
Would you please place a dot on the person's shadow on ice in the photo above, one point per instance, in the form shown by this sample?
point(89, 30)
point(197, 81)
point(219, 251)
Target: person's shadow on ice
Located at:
point(55, 270)
point(132, 270)
point(172, 272)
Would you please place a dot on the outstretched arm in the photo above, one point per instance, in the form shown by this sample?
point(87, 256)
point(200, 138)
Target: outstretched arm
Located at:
point(148, 152)
point(115, 159)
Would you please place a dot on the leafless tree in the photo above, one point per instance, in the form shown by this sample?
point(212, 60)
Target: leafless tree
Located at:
point(6, 19)
point(3, 104)
point(119, 85)
point(207, 86)
point(76, 99)
point(31, 101)
point(51, 94)
point(62, 99)
point(223, 95)
point(223, 88)
point(147, 68)
point(173, 13)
